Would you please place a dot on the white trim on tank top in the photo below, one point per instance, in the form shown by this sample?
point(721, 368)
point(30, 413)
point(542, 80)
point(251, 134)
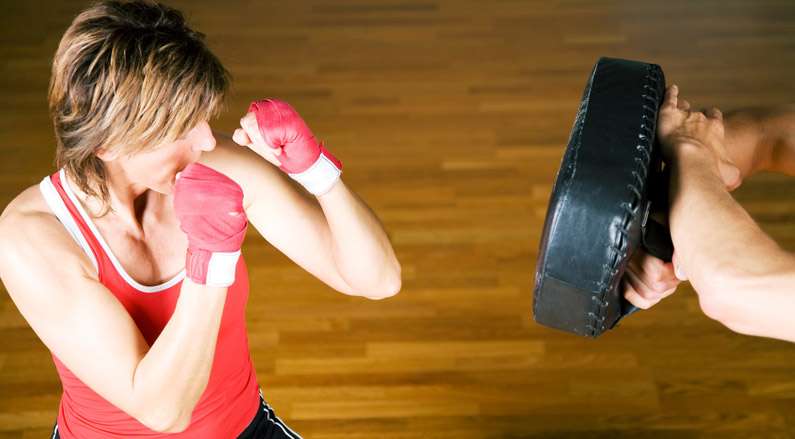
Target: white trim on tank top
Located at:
point(119, 268)
point(57, 206)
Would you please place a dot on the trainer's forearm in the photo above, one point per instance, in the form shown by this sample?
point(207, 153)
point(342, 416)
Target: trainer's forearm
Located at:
point(172, 376)
point(783, 160)
point(728, 259)
point(761, 139)
point(710, 230)
point(360, 246)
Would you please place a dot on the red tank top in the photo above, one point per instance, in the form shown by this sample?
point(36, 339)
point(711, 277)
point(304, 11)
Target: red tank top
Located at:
point(231, 398)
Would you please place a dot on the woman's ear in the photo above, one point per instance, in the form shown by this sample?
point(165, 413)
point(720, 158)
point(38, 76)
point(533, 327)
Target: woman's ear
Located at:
point(107, 156)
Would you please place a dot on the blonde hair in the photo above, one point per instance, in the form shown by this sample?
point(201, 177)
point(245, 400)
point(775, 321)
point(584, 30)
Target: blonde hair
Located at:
point(127, 76)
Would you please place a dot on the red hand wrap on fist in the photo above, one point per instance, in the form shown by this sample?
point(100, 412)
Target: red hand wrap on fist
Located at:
point(302, 157)
point(209, 207)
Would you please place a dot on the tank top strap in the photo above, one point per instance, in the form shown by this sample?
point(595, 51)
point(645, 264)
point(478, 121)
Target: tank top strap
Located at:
point(55, 196)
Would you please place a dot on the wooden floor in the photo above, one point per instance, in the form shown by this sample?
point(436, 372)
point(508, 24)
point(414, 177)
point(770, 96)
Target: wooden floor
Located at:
point(451, 117)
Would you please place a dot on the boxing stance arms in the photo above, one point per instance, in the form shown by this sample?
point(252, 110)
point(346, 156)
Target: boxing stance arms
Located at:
point(56, 288)
point(742, 277)
point(326, 229)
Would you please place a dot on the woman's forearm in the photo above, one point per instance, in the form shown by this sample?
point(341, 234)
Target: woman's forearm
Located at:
point(360, 246)
point(173, 375)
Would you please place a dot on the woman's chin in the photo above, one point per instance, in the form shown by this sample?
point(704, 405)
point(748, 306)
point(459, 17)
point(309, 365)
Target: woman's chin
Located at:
point(168, 188)
point(165, 188)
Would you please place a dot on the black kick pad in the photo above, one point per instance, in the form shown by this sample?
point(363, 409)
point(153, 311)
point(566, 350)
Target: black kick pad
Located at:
point(610, 180)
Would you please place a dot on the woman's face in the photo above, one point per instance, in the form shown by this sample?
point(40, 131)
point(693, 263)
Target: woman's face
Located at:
point(156, 169)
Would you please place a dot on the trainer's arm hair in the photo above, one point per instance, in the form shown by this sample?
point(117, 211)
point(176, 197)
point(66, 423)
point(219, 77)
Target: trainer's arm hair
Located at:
point(742, 277)
point(762, 139)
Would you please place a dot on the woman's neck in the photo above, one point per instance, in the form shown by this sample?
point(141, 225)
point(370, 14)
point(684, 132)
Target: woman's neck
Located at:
point(129, 203)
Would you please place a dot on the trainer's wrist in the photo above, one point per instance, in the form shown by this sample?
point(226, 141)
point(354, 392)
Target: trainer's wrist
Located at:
point(762, 139)
point(690, 152)
point(693, 163)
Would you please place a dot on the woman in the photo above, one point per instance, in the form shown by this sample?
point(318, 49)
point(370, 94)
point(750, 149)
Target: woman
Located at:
point(140, 290)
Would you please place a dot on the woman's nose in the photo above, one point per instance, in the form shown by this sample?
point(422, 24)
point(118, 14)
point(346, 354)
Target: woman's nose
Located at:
point(204, 139)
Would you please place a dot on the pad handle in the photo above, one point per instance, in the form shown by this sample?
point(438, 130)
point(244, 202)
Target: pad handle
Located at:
point(655, 235)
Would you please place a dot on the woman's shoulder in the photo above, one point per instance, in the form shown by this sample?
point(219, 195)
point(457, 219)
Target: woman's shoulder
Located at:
point(27, 222)
point(28, 206)
point(26, 209)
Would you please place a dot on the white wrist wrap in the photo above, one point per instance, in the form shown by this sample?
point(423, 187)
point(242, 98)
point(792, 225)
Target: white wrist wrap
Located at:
point(221, 269)
point(320, 177)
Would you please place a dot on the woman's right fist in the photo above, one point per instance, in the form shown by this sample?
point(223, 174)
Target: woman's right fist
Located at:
point(209, 207)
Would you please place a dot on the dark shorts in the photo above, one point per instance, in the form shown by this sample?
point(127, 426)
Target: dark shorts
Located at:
point(265, 425)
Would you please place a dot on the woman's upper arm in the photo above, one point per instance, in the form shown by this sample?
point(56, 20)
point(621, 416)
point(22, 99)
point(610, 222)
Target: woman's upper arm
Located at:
point(77, 318)
point(284, 215)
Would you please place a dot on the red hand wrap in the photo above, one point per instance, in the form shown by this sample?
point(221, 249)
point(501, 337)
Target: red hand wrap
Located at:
point(302, 157)
point(209, 206)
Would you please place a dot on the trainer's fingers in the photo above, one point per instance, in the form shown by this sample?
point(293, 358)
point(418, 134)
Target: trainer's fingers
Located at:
point(671, 96)
point(636, 299)
point(667, 293)
point(684, 105)
point(651, 277)
point(656, 269)
point(649, 289)
point(714, 113)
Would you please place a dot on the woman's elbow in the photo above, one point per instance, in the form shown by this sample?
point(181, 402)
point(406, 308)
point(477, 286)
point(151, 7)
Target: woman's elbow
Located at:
point(386, 291)
point(165, 424)
point(388, 287)
point(165, 421)
point(179, 426)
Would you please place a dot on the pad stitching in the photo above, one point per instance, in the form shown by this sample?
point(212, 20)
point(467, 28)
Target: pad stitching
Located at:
point(648, 122)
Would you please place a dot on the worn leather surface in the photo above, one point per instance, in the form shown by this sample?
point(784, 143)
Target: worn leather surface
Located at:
point(609, 176)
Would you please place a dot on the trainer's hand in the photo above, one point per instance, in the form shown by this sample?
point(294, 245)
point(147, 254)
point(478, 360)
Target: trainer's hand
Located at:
point(679, 129)
point(274, 130)
point(209, 207)
point(648, 280)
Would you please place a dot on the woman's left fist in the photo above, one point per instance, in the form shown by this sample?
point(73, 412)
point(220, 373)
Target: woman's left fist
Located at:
point(274, 130)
